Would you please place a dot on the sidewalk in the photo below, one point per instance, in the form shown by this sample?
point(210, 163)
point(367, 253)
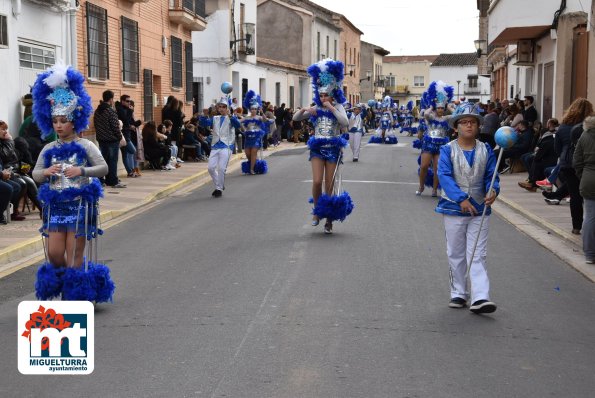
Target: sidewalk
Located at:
point(20, 241)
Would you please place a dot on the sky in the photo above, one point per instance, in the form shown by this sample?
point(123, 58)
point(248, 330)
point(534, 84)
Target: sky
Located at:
point(413, 27)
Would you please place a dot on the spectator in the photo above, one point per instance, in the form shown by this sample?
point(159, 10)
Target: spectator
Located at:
point(270, 115)
point(566, 138)
point(541, 158)
point(490, 125)
point(108, 136)
point(191, 138)
point(124, 110)
point(514, 117)
point(156, 153)
point(171, 111)
point(296, 125)
point(6, 193)
point(279, 118)
point(27, 102)
point(529, 113)
point(584, 166)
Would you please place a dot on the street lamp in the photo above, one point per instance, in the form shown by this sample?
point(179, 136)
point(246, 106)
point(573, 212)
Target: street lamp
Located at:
point(368, 76)
point(458, 84)
point(480, 47)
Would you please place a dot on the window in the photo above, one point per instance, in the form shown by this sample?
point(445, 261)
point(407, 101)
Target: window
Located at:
point(36, 57)
point(335, 50)
point(189, 68)
point(3, 31)
point(472, 81)
point(176, 62)
point(148, 94)
point(291, 97)
point(318, 46)
point(97, 48)
point(391, 80)
point(278, 94)
point(195, 6)
point(418, 81)
point(130, 54)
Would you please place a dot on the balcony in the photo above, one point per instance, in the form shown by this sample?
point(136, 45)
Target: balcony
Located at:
point(188, 13)
point(56, 5)
point(510, 23)
point(470, 89)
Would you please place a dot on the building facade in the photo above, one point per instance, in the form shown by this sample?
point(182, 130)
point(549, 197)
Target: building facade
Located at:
point(34, 34)
point(545, 50)
point(406, 77)
point(370, 71)
point(460, 71)
point(350, 54)
point(140, 48)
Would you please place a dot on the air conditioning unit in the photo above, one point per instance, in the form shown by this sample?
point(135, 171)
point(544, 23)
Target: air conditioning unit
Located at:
point(525, 52)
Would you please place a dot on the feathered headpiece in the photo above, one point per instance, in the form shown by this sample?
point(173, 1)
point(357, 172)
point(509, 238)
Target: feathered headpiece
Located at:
point(327, 77)
point(60, 91)
point(252, 100)
point(438, 94)
point(387, 102)
point(410, 106)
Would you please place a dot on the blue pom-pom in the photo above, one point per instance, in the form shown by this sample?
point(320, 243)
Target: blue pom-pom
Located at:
point(261, 167)
point(246, 167)
point(48, 284)
point(429, 182)
point(334, 207)
point(345, 136)
point(101, 282)
point(390, 139)
point(77, 285)
point(416, 144)
point(375, 140)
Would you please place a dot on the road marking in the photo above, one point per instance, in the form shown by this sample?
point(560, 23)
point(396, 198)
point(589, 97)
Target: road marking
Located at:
point(377, 182)
point(398, 145)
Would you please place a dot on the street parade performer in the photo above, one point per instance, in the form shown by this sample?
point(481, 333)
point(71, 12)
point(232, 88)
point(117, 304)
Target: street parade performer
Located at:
point(356, 130)
point(384, 133)
point(465, 170)
point(254, 126)
point(326, 145)
point(69, 169)
point(435, 99)
point(224, 137)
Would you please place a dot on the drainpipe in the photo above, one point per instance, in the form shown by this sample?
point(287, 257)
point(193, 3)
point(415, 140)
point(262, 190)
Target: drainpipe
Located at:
point(16, 8)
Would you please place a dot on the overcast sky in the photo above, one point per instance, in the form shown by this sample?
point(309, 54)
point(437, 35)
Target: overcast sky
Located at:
point(413, 27)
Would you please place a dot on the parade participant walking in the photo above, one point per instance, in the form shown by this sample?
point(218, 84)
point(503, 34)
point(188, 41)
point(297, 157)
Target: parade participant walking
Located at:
point(326, 145)
point(68, 169)
point(254, 130)
point(436, 99)
point(222, 145)
point(356, 130)
point(465, 171)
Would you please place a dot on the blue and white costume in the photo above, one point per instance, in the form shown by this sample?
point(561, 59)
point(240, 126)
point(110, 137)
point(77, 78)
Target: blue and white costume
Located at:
point(385, 133)
point(222, 145)
point(70, 205)
point(356, 131)
point(466, 175)
point(438, 95)
point(254, 129)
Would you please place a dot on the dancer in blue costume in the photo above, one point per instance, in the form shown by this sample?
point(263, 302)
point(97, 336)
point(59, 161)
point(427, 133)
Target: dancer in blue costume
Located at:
point(436, 99)
point(326, 146)
point(254, 126)
point(68, 170)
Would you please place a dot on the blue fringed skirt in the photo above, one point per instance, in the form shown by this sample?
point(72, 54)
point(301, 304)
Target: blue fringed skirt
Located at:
point(253, 139)
point(327, 149)
point(69, 216)
point(433, 144)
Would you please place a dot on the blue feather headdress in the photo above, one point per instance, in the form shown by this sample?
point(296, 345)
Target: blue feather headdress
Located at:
point(60, 91)
point(410, 106)
point(387, 102)
point(252, 100)
point(327, 77)
point(438, 95)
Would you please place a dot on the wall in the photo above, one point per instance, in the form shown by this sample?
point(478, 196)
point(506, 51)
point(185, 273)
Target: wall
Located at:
point(368, 58)
point(325, 30)
point(405, 73)
point(351, 38)
point(35, 25)
point(450, 75)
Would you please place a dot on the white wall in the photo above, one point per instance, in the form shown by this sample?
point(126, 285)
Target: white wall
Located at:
point(450, 75)
point(325, 31)
point(37, 26)
point(510, 13)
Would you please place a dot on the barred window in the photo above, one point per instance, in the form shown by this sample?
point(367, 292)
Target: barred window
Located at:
point(195, 6)
point(148, 94)
point(176, 62)
point(36, 57)
point(189, 68)
point(130, 53)
point(97, 47)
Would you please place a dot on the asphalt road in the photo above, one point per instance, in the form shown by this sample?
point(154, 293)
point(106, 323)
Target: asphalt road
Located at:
point(241, 297)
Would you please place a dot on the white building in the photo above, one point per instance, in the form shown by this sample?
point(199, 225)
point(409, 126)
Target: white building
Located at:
point(546, 49)
point(460, 71)
point(33, 35)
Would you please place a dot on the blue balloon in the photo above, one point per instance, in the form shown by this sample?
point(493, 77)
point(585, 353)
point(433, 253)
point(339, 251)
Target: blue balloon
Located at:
point(506, 137)
point(226, 87)
point(371, 103)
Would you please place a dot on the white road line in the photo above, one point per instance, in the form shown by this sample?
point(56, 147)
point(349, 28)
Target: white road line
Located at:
point(377, 182)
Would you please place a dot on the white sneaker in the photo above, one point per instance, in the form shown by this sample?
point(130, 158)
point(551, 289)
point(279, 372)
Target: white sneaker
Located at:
point(179, 160)
point(170, 167)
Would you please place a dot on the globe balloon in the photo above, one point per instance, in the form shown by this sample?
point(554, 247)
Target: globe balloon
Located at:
point(226, 87)
point(506, 137)
point(371, 103)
